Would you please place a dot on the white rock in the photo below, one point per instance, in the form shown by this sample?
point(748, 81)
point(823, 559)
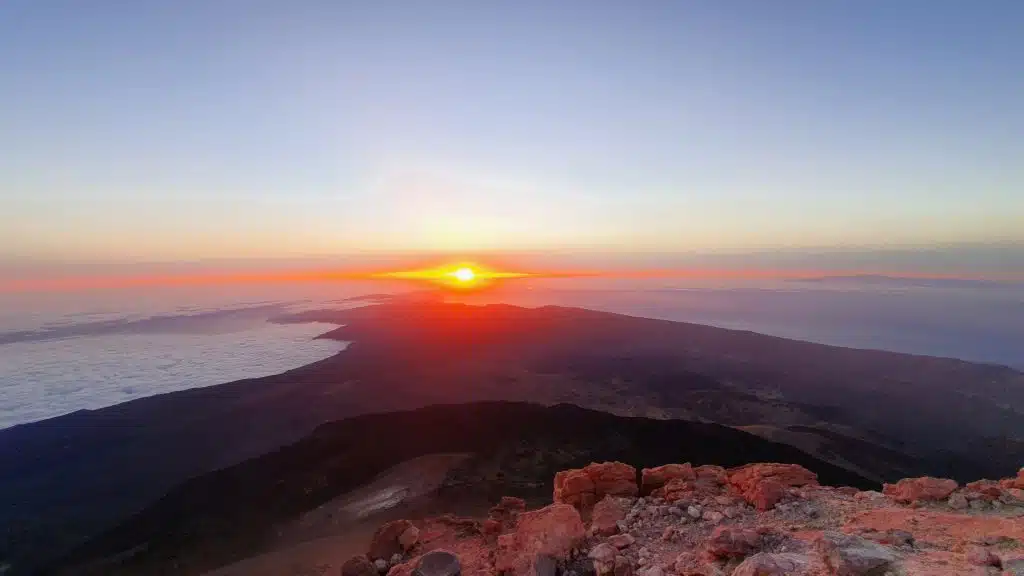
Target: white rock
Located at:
point(694, 511)
point(381, 565)
point(854, 556)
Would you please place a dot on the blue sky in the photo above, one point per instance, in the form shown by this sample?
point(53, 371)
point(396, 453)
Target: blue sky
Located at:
point(188, 130)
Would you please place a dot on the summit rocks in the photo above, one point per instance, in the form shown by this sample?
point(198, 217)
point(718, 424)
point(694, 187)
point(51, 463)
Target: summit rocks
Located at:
point(654, 478)
point(554, 532)
point(584, 487)
point(754, 520)
point(924, 489)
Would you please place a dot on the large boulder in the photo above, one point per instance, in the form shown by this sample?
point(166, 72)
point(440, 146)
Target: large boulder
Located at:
point(554, 531)
point(987, 490)
point(765, 494)
point(388, 540)
point(785, 474)
point(653, 478)
point(923, 489)
point(584, 487)
point(606, 515)
point(733, 542)
point(764, 564)
point(711, 474)
point(763, 485)
point(438, 563)
point(848, 555)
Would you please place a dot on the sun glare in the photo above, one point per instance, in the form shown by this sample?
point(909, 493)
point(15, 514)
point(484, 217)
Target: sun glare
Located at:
point(464, 274)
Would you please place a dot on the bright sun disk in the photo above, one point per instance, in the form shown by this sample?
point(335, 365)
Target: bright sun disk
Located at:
point(464, 274)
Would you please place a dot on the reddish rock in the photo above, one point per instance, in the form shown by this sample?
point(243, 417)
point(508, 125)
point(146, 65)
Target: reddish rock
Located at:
point(924, 489)
point(551, 531)
point(613, 478)
point(763, 485)
point(675, 490)
point(358, 566)
point(385, 541)
point(766, 494)
point(606, 514)
point(732, 542)
point(584, 487)
point(707, 482)
point(574, 487)
point(785, 474)
point(988, 490)
point(711, 473)
point(653, 478)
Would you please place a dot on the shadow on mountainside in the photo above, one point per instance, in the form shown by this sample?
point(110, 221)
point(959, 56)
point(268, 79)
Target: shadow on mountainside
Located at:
point(516, 450)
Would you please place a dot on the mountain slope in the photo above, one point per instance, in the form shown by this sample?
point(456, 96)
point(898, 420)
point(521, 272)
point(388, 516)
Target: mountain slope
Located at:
point(56, 488)
point(516, 449)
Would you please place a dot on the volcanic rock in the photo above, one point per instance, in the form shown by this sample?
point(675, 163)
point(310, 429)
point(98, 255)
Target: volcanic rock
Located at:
point(584, 487)
point(438, 563)
point(849, 555)
point(764, 564)
point(923, 489)
point(553, 531)
point(653, 478)
point(606, 515)
point(730, 542)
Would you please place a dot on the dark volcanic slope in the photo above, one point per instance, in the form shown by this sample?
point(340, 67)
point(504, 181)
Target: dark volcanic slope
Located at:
point(226, 515)
point(71, 477)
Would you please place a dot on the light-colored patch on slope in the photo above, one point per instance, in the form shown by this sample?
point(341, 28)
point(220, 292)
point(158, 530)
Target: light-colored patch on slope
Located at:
point(319, 541)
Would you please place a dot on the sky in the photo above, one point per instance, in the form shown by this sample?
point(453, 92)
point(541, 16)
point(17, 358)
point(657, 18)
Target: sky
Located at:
point(205, 130)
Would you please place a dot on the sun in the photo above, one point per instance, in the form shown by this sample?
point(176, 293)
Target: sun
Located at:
point(464, 274)
point(456, 276)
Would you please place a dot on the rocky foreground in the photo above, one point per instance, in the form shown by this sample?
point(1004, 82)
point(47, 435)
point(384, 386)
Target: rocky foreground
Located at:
point(754, 520)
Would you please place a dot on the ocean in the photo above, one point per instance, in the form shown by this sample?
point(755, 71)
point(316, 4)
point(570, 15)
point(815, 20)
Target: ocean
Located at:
point(62, 352)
